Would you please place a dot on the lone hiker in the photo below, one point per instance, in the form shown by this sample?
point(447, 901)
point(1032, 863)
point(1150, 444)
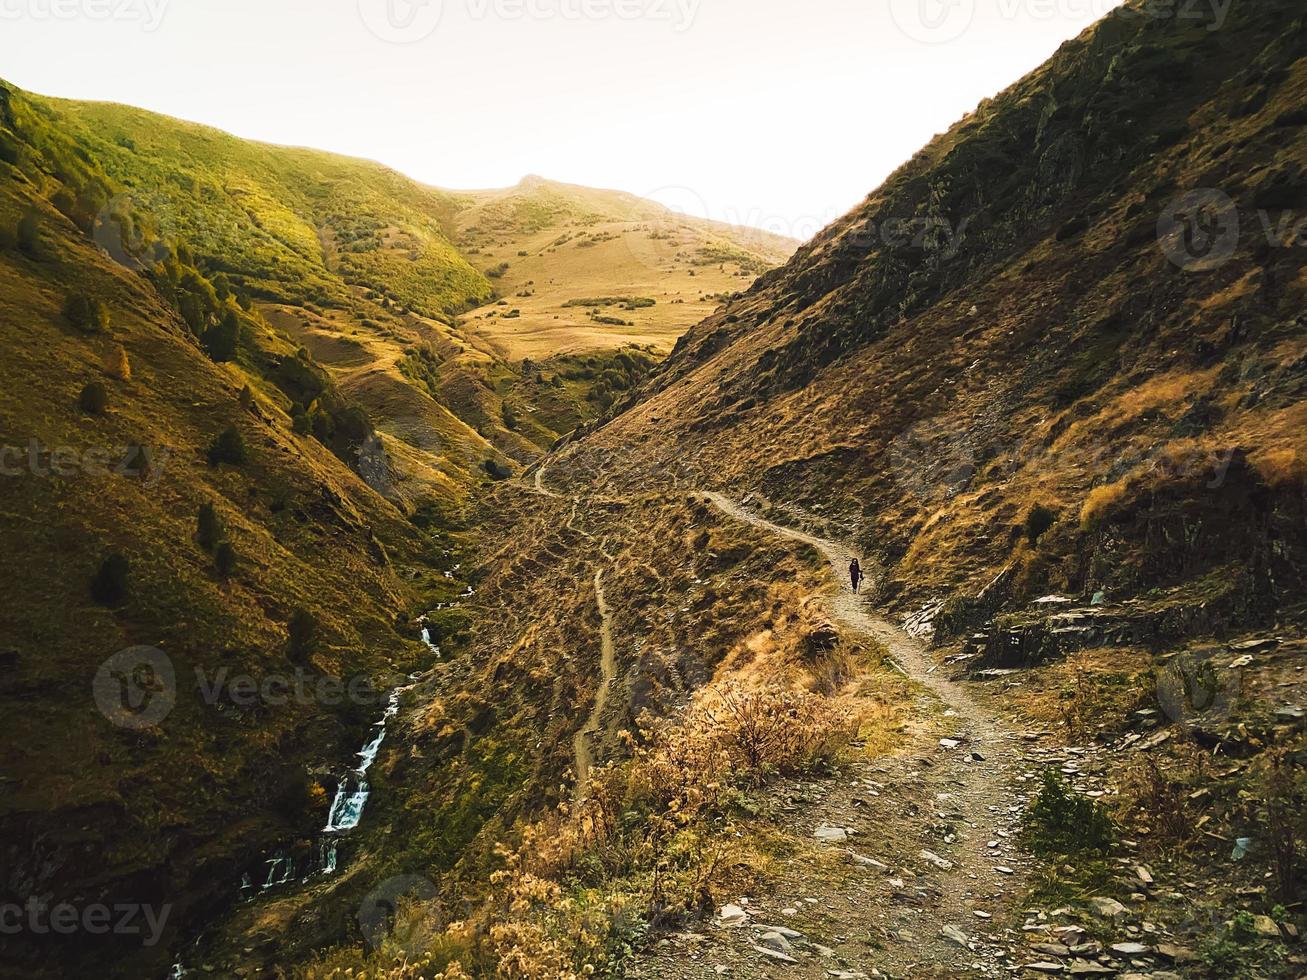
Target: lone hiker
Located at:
point(855, 574)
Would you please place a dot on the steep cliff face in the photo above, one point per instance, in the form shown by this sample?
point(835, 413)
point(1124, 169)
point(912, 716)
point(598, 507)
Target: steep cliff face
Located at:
point(1066, 337)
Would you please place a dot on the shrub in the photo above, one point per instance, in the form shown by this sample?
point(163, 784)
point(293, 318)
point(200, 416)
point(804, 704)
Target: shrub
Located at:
point(220, 342)
point(224, 559)
point(109, 586)
point(497, 470)
point(1286, 827)
point(300, 424)
point(1099, 502)
point(301, 635)
point(28, 235)
point(86, 313)
point(209, 530)
point(1159, 802)
point(1038, 520)
point(247, 398)
point(229, 447)
point(1061, 821)
point(117, 364)
point(767, 732)
point(94, 399)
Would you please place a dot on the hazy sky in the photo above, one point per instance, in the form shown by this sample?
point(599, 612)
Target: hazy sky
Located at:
point(776, 113)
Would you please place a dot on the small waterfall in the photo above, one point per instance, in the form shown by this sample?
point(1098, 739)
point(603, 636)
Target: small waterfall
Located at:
point(352, 793)
point(345, 814)
point(281, 870)
point(432, 645)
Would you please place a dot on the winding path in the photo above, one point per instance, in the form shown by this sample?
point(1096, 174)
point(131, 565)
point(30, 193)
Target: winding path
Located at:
point(973, 780)
point(608, 670)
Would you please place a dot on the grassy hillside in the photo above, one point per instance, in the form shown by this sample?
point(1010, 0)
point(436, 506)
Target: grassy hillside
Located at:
point(284, 224)
point(135, 400)
point(243, 426)
point(579, 271)
point(1002, 379)
point(370, 271)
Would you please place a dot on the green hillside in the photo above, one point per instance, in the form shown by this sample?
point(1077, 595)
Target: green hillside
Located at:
point(178, 475)
point(287, 224)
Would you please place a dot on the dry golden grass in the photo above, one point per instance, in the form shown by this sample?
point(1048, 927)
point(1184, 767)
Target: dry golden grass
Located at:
point(581, 243)
point(1100, 500)
point(1090, 687)
point(1281, 467)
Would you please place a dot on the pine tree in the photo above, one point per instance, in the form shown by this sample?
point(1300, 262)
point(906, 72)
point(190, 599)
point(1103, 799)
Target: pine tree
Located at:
point(220, 342)
point(208, 528)
point(109, 587)
point(29, 235)
point(224, 559)
point(229, 447)
point(94, 399)
point(302, 635)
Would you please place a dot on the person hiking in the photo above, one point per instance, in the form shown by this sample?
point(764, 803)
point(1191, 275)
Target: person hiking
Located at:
point(855, 574)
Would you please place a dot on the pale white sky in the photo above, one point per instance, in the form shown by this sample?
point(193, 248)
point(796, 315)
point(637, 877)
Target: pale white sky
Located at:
point(781, 114)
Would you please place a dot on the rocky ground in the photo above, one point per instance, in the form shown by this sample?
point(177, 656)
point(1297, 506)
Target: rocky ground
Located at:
point(914, 864)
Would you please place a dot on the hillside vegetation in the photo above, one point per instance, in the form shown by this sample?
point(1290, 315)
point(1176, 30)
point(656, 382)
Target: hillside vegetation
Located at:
point(1067, 443)
point(579, 271)
point(247, 428)
point(181, 477)
point(370, 271)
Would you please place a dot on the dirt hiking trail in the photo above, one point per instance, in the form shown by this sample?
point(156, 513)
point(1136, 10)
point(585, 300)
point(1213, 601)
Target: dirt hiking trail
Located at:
point(907, 865)
point(608, 667)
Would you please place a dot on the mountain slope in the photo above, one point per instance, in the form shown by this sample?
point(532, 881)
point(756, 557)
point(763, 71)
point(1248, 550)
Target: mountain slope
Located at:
point(1067, 442)
point(370, 270)
point(585, 270)
point(288, 224)
point(135, 402)
point(999, 327)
